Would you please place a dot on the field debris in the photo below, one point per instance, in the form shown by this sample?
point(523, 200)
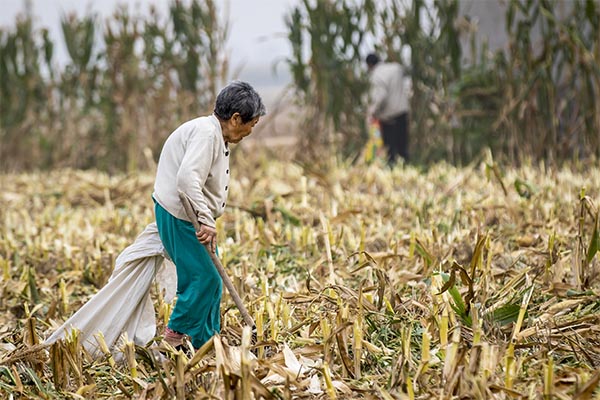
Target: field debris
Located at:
point(363, 281)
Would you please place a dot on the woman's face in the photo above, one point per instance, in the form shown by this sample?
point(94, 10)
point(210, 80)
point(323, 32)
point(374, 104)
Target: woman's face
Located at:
point(235, 130)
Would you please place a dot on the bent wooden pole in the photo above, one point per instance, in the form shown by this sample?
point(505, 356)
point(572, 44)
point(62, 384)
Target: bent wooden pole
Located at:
point(189, 210)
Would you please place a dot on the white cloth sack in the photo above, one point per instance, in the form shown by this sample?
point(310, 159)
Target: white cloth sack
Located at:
point(124, 304)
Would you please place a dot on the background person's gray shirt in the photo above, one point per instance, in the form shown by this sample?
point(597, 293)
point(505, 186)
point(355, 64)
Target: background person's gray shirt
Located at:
point(388, 93)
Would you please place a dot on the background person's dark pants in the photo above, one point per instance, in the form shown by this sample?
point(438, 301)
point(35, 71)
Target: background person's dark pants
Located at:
point(394, 133)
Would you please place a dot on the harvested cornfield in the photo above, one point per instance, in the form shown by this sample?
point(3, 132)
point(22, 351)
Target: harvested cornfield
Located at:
point(364, 282)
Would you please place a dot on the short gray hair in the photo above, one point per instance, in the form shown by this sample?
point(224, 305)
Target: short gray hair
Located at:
point(239, 97)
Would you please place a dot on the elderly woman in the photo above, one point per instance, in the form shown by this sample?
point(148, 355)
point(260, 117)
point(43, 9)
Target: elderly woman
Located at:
point(195, 161)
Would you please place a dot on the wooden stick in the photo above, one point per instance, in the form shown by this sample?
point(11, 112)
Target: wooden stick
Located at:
point(189, 210)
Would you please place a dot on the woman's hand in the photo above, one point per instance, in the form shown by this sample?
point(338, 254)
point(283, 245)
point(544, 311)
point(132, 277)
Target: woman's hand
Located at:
point(207, 236)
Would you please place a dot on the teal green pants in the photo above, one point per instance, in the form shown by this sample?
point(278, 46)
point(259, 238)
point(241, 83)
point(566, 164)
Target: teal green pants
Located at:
point(199, 286)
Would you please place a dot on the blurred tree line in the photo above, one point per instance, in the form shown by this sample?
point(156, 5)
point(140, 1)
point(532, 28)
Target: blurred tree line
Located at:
point(131, 79)
point(535, 100)
point(128, 82)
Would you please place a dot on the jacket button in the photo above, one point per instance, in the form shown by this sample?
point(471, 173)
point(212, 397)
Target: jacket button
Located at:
point(223, 205)
point(227, 172)
point(227, 153)
point(226, 187)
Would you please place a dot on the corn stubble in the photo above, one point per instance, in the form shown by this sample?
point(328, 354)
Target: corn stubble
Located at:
point(364, 282)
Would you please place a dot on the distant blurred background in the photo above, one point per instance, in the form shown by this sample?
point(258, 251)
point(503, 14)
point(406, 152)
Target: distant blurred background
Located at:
point(101, 84)
point(257, 33)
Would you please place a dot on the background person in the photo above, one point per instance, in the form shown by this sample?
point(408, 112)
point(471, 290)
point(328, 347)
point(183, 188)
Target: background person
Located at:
point(195, 160)
point(388, 104)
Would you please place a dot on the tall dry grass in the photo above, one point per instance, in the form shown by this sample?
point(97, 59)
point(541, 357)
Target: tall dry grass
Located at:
point(128, 82)
point(532, 99)
point(132, 78)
